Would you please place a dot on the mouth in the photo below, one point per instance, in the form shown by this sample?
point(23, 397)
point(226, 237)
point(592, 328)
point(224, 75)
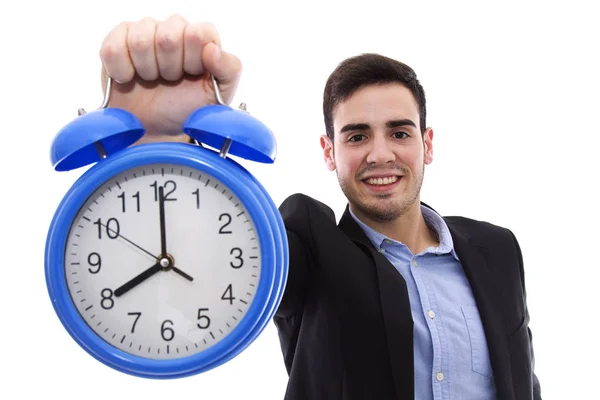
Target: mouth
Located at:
point(382, 183)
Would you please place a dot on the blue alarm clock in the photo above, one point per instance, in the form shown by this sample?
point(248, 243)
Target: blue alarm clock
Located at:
point(165, 260)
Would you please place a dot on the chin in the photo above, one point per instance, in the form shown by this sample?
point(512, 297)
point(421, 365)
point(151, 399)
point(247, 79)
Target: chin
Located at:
point(378, 204)
point(381, 208)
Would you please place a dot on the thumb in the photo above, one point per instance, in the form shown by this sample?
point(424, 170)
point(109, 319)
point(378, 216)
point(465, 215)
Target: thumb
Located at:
point(225, 67)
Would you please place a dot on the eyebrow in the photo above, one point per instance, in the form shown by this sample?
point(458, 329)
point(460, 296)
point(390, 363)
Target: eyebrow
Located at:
point(390, 124)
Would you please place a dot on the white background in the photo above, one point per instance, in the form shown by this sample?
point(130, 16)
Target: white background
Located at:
point(512, 92)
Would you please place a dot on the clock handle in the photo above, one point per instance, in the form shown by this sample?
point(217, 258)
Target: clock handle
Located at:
point(105, 101)
point(108, 89)
point(98, 144)
point(215, 85)
point(227, 142)
point(217, 91)
point(107, 92)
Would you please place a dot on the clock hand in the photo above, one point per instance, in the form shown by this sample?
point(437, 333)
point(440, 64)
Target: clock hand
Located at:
point(163, 233)
point(161, 212)
point(139, 279)
point(163, 263)
point(130, 242)
point(180, 272)
point(175, 269)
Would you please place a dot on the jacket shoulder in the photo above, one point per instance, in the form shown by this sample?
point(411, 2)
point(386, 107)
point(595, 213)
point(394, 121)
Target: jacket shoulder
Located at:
point(480, 231)
point(298, 210)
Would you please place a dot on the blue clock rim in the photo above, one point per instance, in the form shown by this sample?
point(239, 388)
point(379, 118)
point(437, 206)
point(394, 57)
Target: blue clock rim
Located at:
point(269, 229)
point(281, 273)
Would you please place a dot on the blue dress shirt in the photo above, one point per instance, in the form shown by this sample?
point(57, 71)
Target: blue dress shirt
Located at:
point(451, 357)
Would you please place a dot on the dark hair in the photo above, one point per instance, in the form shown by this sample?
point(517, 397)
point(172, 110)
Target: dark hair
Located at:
point(364, 70)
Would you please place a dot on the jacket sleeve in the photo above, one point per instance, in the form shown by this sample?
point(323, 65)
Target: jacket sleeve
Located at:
point(537, 393)
point(297, 217)
point(304, 218)
point(296, 286)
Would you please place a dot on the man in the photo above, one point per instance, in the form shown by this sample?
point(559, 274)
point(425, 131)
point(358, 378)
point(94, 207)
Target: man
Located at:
point(394, 302)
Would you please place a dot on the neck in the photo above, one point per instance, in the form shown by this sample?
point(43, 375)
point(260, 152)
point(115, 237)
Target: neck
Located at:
point(409, 228)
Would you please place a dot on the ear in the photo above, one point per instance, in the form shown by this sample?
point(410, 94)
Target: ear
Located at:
point(428, 146)
point(328, 156)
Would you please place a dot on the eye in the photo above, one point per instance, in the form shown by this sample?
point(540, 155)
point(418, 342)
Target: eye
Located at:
point(356, 138)
point(400, 135)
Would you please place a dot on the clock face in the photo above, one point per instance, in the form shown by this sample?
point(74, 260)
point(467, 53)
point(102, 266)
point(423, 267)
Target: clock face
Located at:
point(162, 261)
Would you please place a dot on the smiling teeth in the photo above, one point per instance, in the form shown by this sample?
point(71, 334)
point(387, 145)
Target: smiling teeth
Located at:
point(382, 181)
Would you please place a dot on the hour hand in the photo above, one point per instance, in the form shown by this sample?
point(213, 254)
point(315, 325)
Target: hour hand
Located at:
point(138, 279)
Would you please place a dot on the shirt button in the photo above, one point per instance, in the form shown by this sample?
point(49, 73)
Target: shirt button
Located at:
point(431, 314)
point(439, 376)
point(381, 250)
point(414, 263)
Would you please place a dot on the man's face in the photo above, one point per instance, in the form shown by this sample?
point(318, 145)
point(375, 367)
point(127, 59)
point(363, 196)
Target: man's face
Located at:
point(378, 152)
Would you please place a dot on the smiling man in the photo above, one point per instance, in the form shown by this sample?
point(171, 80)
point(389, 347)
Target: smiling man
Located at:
point(394, 302)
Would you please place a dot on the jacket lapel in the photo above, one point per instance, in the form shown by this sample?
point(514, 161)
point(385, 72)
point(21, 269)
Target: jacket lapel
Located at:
point(487, 297)
point(395, 306)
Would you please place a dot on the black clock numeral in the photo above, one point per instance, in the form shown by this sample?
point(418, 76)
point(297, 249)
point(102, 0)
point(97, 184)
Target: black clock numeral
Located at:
point(229, 292)
point(137, 316)
point(95, 261)
point(167, 185)
point(238, 257)
point(197, 193)
point(204, 318)
point(112, 228)
point(228, 218)
point(107, 301)
point(167, 333)
point(135, 196)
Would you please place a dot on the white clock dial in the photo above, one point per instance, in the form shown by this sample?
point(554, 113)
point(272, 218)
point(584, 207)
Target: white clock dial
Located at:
point(190, 298)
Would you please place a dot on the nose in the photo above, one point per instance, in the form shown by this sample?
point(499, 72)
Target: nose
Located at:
point(380, 151)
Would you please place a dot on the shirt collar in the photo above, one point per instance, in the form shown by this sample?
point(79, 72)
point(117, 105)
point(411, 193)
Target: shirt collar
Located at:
point(432, 219)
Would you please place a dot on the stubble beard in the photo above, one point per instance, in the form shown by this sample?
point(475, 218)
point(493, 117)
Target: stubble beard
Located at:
point(381, 208)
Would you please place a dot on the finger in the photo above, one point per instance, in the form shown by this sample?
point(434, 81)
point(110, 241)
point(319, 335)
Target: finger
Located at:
point(195, 38)
point(140, 41)
point(168, 46)
point(115, 55)
point(226, 67)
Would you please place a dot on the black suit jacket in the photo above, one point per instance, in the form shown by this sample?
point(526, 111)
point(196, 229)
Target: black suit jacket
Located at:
point(345, 323)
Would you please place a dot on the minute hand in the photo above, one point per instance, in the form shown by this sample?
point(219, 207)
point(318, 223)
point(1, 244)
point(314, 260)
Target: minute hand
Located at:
point(163, 233)
point(161, 212)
